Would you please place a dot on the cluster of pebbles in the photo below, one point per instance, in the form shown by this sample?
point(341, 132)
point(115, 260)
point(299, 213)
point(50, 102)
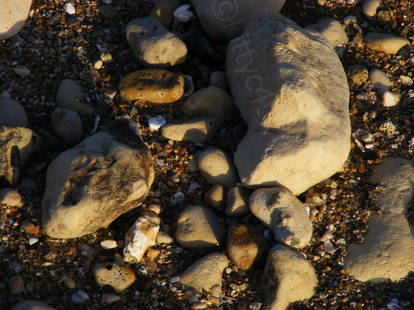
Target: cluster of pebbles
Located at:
point(200, 239)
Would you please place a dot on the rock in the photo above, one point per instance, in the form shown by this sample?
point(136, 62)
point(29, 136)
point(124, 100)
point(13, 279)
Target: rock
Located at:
point(387, 43)
point(246, 247)
point(237, 201)
point(388, 247)
point(369, 7)
point(283, 214)
point(334, 32)
point(153, 45)
point(90, 185)
point(13, 16)
point(288, 277)
point(69, 283)
point(215, 196)
point(298, 118)
point(67, 125)
point(17, 144)
point(198, 130)
point(31, 305)
point(390, 99)
point(163, 237)
point(225, 20)
point(217, 168)
point(70, 96)
point(153, 85)
point(119, 277)
point(163, 11)
point(380, 80)
point(11, 197)
point(141, 236)
point(16, 285)
point(108, 244)
point(205, 274)
point(358, 74)
point(12, 114)
point(110, 298)
point(199, 228)
point(209, 102)
point(218, 79)
point(154, 208)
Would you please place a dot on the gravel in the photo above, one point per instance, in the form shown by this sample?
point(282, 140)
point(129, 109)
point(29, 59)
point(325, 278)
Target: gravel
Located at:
point(55, 45)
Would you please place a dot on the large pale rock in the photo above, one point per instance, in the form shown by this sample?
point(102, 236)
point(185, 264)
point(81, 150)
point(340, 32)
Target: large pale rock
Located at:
point(334, 32)
point(12, 113)
point(153, 45)
point(153, 85)
point(237, 203)
point(197, 130)
point(284, 214)
point(387, 43)
point(119, 277)
point(90, 185)
point(298, 118)
point(289, 277)
point(388, 247)
point(225, 19)
point(67, 125)
point(199, 228)
point(70, 96)
point(205, 274)
point(13, 16)
point(17, 144)
point(217, 168)
point(211, 101)
point(141, 236)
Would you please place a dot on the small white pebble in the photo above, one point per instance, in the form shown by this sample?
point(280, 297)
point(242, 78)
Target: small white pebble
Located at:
point(228, 270)
point(98, 64)
point(182, 14)
point(390, 99)
point(33, 240)
point(80, 297)
point(70, 9)
point(178, 198)
point(22, 71)
point(174, 279)
point(105, 57)
point(108, 244)
point(155, 123)
point(406, 80)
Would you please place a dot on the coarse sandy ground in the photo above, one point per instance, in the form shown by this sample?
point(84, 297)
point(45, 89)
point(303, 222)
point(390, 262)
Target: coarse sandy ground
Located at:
point(55, 46)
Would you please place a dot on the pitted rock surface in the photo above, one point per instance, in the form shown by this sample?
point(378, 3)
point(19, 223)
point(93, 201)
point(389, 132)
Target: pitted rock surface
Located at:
point(90, 185)
point(388, 247)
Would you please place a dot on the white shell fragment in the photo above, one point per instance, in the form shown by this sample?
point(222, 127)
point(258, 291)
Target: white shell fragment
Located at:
point(182, 14)
point(70, 9)
point(155, 123)
point(141, 236)
point(108, 244)
point(33, 240)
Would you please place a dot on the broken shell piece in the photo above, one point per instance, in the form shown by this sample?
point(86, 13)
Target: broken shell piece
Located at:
point(70, 9)
point(141, 236)
point(155, 123)
point(182, 14)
